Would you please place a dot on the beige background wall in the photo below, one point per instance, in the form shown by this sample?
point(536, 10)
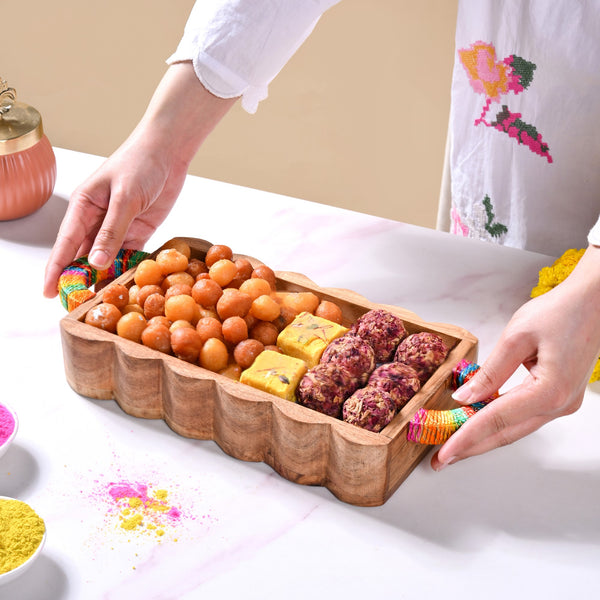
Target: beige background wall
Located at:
point(356, 119)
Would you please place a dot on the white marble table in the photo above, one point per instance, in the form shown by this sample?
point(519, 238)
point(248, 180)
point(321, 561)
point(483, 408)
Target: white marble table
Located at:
point(520, 522)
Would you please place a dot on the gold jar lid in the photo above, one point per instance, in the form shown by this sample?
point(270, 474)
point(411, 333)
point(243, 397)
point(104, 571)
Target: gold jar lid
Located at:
point(20, 124)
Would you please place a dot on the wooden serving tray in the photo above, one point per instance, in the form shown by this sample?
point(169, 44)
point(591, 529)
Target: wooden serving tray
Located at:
point(304, 446)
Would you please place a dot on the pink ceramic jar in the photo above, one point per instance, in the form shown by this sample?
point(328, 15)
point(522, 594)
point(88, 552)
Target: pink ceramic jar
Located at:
point(27, 162)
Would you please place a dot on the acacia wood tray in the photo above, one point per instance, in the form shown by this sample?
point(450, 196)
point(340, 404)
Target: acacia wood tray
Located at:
point(304, 446)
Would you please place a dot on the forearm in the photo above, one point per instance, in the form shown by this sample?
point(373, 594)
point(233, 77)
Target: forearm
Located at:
point(581, 291)
point(180, 115)
point(584, 281)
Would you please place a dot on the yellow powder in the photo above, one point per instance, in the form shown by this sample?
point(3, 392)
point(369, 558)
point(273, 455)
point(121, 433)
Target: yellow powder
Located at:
point(161, 494)
point(158, 507)
point(21, 531)
point(135, 502)
point(132, 522)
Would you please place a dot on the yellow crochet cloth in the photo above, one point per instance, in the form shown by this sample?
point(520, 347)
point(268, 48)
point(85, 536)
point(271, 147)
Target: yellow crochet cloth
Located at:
point(550, 277)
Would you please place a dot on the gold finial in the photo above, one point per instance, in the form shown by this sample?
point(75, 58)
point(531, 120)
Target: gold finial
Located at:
point(7, 96)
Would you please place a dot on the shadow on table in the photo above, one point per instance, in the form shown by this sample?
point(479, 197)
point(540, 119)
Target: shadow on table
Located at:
point(45, 580)
point(507, 491)
point(38, 229)
point(20, 473)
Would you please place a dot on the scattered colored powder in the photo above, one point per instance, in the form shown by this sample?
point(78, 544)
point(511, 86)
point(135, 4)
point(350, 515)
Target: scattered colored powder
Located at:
point(141, 509)
point(7, 424)
point(21, 531)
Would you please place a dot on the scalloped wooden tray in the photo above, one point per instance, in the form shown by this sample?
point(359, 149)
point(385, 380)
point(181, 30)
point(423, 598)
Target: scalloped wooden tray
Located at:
point(304, 446)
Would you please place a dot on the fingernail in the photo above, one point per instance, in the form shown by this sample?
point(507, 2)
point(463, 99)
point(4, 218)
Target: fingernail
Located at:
point(98, 258)
point(462, 394)
point(443, 465)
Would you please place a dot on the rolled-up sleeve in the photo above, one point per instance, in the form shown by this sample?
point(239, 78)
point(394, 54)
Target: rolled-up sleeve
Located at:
point(237, 47)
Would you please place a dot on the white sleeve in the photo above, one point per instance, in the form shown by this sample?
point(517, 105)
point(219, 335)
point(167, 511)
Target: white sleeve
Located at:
point(237, 47)
point(594, 234)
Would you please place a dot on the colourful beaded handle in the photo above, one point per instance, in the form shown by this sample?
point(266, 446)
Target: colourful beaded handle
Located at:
point(436, 426)
point(78, 277)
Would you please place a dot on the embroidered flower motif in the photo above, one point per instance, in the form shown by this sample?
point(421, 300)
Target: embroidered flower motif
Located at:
point(486, 75)
point(480, 224)
point(493, 79)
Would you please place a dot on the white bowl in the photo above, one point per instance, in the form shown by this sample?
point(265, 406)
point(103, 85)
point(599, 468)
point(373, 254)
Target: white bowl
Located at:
point(18, 571)
point(8, 442)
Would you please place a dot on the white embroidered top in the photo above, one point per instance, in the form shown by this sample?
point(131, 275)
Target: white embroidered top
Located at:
point(523, 155)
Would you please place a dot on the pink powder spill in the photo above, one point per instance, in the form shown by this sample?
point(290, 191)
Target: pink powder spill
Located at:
point(7, 424)
point(118, 491)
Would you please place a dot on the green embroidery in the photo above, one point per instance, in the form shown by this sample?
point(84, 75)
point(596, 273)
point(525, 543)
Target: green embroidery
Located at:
point(523, 68)
point(494, 229)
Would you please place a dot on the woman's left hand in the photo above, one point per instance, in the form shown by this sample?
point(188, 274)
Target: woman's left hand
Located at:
point(556, 336)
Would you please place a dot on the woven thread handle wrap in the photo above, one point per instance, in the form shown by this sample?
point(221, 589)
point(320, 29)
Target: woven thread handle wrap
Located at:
point(79, 276)
point(436, 426)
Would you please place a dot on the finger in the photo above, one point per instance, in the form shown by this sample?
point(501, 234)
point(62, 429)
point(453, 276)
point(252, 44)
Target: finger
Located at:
point(68, 244)
point(112, 232)
point(503, 361)
point(512, 416)
point(508, 436)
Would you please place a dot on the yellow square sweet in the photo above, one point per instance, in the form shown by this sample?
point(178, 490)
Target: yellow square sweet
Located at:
point(307, 336)
point(275, 373)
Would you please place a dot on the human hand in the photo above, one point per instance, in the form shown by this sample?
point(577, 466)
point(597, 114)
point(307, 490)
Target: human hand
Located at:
point(130, 195)
point(120, 205)
point(556, 336)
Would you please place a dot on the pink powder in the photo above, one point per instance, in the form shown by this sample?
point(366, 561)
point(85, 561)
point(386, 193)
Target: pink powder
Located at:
point(129, 490)
point(7, 424)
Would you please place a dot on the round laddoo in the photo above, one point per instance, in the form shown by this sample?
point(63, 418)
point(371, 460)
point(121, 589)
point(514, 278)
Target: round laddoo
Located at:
point(400, 381)
point(324, 388)
point(353, 353)
point(383, 330)
point(424, 352)
point(369, 408)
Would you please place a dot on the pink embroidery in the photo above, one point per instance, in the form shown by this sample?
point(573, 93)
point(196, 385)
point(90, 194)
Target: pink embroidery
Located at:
point(494, 79)
point(458, 228)
point(524, 133)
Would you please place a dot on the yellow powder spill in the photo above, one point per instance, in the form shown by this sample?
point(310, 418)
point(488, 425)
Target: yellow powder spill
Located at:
point(141, 509)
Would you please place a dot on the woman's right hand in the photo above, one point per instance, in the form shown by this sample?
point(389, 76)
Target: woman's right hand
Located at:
point(130, 195)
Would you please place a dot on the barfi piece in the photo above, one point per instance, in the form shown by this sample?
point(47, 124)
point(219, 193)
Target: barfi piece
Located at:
point(275, 373)
point(307, 336)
